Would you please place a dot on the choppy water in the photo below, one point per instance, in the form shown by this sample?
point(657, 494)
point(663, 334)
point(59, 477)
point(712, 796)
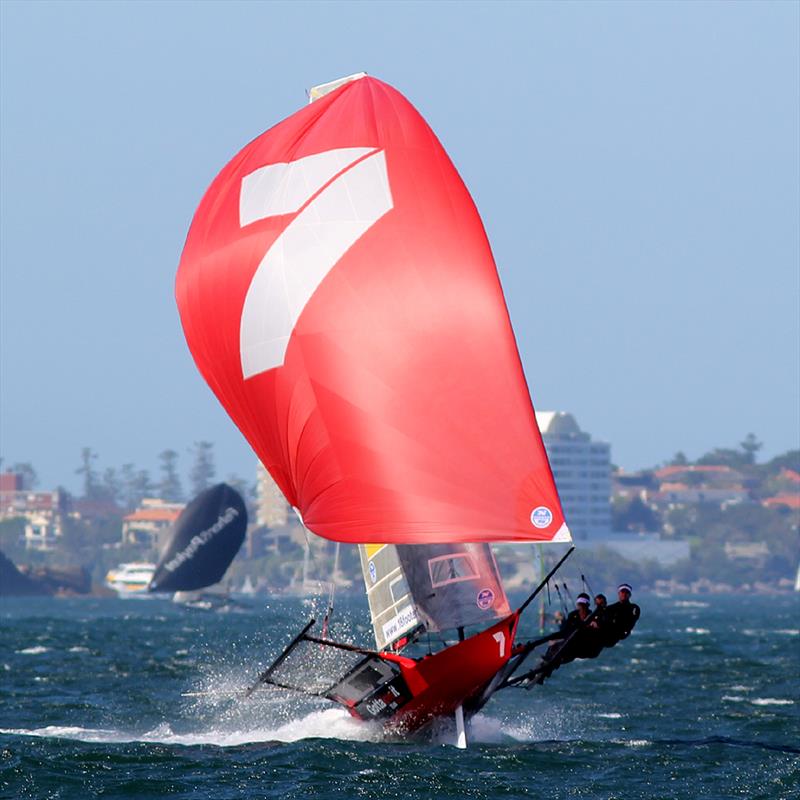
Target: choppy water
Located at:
point(701, 702)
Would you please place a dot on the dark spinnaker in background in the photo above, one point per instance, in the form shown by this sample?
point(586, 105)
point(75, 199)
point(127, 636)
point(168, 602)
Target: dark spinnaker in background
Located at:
point(204, 541)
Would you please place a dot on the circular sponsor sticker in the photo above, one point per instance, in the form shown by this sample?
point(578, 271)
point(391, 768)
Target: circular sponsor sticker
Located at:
point(541, 517)
point(373, 573)
point(485, 599)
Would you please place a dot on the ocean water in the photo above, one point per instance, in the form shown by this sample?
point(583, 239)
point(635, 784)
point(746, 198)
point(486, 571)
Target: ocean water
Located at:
point(138, 698)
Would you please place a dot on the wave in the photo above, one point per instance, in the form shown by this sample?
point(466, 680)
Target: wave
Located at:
point(697, 631)
point(33, 651)
point(758, 701)
point(331, 723)
point(771, 701)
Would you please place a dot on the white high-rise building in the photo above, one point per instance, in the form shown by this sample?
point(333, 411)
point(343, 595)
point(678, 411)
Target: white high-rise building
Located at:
point(582, 469)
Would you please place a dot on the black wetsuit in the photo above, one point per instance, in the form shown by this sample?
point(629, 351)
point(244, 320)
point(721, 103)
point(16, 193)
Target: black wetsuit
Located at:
point(620, 619)
point(585, 643)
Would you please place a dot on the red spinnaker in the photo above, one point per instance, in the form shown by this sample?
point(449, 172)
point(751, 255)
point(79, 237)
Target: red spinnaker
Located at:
point(339, 295)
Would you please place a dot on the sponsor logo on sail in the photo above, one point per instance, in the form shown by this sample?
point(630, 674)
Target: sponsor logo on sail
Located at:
point(485, 599)
point(196, 542)
point(373, 573)
point(541, 517)
point(403, 622)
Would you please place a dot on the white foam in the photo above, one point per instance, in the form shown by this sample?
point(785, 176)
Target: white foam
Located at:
point(610, 715)
point(332, 723)
point(33, 651)
point(491, 731)
point(771, 701)
point(79, 650)
point(697, 631)
point(788, 631)
point(733, 698)
point(691, 604)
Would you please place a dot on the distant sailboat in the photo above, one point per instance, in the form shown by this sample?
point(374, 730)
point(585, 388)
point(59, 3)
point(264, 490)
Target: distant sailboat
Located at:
point(204, 541)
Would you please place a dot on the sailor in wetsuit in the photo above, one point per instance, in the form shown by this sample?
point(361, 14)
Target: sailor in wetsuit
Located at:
point(574, 618)
point(560, 651)
point(584, 634)
point(600, 606)
point(620, 617)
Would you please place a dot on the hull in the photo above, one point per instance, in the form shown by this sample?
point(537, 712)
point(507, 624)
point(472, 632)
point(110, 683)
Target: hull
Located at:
point(456, 676)
point(406, 694)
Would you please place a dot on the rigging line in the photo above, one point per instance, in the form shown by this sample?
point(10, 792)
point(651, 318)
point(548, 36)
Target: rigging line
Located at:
point(541, 586)
point(568, 593)
point(331, 594)
point(563, 604)
point(586, 586)
point(317, 570)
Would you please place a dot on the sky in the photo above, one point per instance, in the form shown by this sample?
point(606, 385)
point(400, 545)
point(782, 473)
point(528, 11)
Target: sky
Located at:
point(636, 166)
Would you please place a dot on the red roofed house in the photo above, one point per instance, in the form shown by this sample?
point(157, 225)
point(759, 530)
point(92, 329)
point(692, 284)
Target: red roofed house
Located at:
point(789, 476)
point(150, 523)
point(699, 484)
point(42, 511)
point(789, 500)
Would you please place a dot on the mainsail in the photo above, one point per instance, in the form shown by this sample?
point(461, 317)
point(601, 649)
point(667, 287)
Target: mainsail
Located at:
point(439, 587)
point(339, 296)
point(205, 539)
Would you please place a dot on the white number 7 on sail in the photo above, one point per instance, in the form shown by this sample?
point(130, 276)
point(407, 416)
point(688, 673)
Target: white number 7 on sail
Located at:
point(312, 243)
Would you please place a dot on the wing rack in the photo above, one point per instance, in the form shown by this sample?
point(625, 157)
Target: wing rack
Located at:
point(369, 684)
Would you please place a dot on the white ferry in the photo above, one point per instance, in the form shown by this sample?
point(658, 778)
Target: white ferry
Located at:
point(132, 579)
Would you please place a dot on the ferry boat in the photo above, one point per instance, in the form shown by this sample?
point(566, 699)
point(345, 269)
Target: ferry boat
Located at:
point(131, 579)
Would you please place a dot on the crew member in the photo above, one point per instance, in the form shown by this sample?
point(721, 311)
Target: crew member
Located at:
point(581, 612)
point(558, 650)
point(600, 605)
point(621, 616)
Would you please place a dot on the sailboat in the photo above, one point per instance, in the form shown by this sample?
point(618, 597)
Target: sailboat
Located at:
point(201, 546)
point(339, 296)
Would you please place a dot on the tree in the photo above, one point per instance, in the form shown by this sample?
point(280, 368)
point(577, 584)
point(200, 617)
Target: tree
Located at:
point(788, 460)
point(679, 460)
point(750, 446)
point(723, 456)
point(170, 488)
point(135, 485)
point(203, 469)
point(112, 486)
point(634, 516)
point(88, 456)
point(28, 474)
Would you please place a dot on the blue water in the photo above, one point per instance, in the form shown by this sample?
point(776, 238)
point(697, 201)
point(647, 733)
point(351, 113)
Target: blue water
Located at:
point(138, 698)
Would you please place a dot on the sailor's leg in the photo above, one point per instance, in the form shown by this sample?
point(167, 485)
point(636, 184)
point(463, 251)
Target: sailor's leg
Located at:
point(461, 731)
